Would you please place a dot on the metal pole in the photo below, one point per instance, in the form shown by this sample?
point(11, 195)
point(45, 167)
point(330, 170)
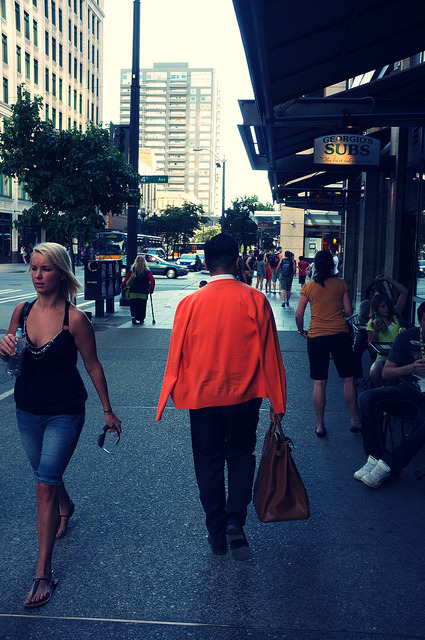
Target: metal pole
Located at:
point(223, 191)
point(133, 210)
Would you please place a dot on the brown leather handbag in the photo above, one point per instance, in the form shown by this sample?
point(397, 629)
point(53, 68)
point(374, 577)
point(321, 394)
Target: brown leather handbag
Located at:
point(279, 492)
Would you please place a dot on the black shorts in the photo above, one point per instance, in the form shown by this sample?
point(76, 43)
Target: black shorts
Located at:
point(340, 347)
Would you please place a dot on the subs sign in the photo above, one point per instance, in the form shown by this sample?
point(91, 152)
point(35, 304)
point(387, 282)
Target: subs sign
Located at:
point(347, 149)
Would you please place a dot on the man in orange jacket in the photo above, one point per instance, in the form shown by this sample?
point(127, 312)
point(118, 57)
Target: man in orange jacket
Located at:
point(224, 358)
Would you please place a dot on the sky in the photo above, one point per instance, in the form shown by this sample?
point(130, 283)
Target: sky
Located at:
point(203, 34)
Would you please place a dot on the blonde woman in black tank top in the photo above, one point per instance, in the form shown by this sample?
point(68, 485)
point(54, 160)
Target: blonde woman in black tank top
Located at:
point(50, 396)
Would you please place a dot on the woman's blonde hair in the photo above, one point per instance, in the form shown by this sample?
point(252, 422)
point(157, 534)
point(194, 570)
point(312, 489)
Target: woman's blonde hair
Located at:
point(139, 265)
point(58, 258)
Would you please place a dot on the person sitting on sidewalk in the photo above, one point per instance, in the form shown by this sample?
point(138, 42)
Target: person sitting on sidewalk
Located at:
point(224, 358)
point(406, 362)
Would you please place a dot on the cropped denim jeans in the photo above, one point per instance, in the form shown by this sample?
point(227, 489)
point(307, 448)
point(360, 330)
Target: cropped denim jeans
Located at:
point(49, 442)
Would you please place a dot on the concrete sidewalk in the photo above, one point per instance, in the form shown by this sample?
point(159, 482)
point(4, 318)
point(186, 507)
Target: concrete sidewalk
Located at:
point(136, 563)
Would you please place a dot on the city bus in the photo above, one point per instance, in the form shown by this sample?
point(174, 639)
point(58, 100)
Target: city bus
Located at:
point(112, 245)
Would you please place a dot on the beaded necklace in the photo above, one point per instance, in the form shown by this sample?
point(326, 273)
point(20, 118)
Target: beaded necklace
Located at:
point(38, 352)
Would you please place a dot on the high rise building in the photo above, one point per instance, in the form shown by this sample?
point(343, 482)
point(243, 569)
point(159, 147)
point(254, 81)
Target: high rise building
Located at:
point(54, 48)
point(180, 112)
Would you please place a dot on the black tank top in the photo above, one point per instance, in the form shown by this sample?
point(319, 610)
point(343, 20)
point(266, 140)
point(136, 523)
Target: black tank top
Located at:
point(50, 382)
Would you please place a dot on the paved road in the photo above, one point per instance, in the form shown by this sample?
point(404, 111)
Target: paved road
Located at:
point(136, 564)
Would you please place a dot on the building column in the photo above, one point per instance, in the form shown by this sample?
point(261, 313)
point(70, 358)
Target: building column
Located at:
point(292, 230)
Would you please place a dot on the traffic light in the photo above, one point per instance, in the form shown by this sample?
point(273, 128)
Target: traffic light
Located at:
point(121, 138)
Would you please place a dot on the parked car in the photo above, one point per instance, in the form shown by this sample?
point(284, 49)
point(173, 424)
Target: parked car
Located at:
point(190, 260)
point(160, 267)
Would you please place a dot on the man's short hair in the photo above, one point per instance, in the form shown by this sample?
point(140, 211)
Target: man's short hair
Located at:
point(221, 252)
point(421, 311)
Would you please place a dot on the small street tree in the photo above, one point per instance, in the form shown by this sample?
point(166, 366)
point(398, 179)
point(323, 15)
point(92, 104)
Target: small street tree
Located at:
point(71, 177)
point(177, 224)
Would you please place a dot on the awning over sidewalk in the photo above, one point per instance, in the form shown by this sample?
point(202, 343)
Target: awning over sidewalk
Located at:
point(302, 48)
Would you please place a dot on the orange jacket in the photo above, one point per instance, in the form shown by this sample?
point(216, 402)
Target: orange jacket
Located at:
point(224, 350)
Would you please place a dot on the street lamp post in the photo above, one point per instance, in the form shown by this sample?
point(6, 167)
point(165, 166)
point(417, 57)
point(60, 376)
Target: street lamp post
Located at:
point(133, 209)
point(222, 163)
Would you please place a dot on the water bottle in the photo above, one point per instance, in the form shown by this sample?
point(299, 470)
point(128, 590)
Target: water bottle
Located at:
point(15, 362)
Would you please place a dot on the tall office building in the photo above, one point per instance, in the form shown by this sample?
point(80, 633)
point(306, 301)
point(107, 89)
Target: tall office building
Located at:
point(180, 112)
point(55, 48)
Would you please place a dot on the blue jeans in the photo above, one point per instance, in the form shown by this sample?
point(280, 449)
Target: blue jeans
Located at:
point(49, 442)
point(399, 399)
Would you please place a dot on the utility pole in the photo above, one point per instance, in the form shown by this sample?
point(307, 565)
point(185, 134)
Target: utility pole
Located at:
point(133, 209)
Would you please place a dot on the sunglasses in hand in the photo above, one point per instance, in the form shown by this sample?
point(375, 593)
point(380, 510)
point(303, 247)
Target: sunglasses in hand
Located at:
point(101, 438)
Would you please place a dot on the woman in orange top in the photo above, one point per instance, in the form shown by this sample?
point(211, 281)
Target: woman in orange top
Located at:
point(328, 333)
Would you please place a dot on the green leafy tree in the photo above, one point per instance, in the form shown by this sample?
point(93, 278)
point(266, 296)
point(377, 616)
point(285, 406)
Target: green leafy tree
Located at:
point(70, 176)
point(177, 224)
point(238, 223)
point(202, 235)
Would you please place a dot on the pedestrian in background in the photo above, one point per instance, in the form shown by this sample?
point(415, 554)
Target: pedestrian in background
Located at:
point(50, 396)
point(221, 363)
point(302, 270)
point(261, 270)
point(286, 271)
point(328, 334)
point(140, 283)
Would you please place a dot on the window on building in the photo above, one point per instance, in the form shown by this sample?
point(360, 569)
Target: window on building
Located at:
point(60, 121)
point(34, 2)
point(93, 22)
point(27, 25)
point(76, 68)
point(97, 58)
point(70, 30)
point(92, 83)
point(27, 65)
point(92, 53)
point(18, 59)
point(81, 9)
point(69, 96)
point(69, 64)
point(75, 36)
point(54, 84)
point(35, 71)
point(97, 29)
point(54, 116)
point(3, 9)
point(46, 43)
point(60, 89)
point(54, 12)
point(54, 49)
point(60, 20)
point(18, 16)
point(69, 123)
point(47, 111)
point(80, 103)
point(81, 41)
point(35, 32)
point(75, 99)
point(46, 8)
point(60, 55)
point(81, 73)
point(47, 80)
point(4, 48)
point(75, 6)
point(6, 90)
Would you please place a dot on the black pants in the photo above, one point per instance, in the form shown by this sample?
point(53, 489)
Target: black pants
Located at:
point(399, 400)
point(220, 435)
point(138, 308)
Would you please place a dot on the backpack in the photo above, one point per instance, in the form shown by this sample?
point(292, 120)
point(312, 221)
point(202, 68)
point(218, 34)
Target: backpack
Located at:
point(273, 261)
point(287, 268)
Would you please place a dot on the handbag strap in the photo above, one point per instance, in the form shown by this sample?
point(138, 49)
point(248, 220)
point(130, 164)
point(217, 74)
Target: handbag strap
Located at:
point(276, 426)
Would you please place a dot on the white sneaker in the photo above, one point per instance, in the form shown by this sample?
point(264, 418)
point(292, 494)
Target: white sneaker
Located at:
point(366, 468)
point(379, 474)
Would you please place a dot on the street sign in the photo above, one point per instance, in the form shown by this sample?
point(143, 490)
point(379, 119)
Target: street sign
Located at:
point(154, 179)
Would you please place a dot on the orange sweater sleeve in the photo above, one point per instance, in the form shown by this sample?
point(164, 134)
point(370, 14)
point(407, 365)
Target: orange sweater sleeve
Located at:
point(178, 333)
